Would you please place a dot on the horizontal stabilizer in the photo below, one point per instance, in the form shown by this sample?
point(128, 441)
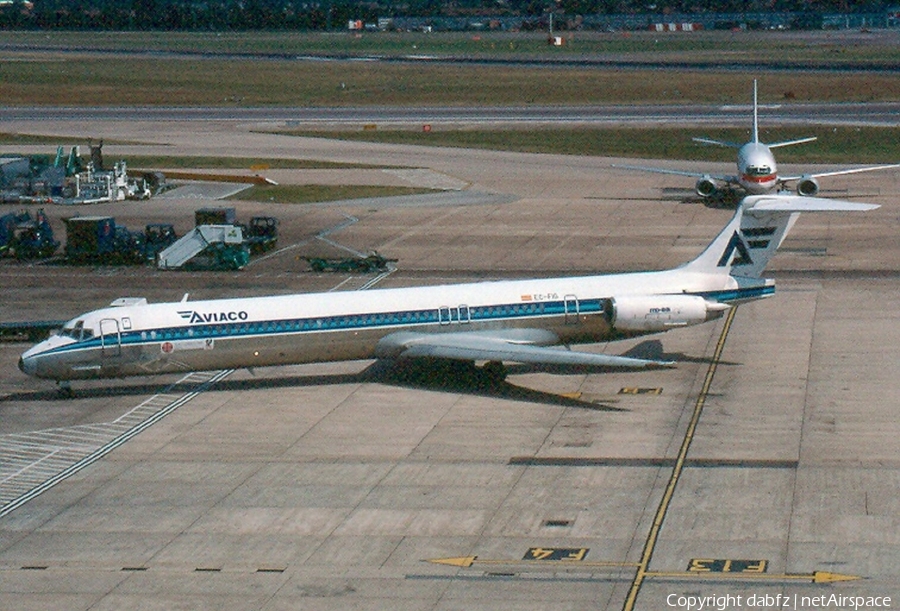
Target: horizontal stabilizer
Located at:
point(783, 202)
point(733, 145)
point(792, 142)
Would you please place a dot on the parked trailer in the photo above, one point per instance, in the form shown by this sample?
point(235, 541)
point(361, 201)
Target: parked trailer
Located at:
point(215, 216)
point(24, 237)
point(372, 263)
point(158, 237)
point(8, 224)
point(97, 239)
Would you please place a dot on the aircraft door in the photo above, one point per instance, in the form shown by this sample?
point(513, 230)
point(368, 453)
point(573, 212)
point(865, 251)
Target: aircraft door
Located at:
point(445, 315)
point(110, 338)
point(457, 315)
point(571, 307)
point(465, 316)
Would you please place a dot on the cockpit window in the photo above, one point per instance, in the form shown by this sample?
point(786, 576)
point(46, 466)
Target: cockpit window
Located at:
point(762, 170)
point(77, 332)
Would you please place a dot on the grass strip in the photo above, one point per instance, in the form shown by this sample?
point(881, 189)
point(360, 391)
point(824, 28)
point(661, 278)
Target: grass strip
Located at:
point(308, 194)
point(757, 47)
point(137, 81)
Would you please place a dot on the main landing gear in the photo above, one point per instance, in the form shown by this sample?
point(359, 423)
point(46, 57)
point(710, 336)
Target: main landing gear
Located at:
point(494, 371)
point(64, 389)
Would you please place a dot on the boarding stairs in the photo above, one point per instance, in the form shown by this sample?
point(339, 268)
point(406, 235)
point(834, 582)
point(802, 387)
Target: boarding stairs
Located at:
point(196, 241)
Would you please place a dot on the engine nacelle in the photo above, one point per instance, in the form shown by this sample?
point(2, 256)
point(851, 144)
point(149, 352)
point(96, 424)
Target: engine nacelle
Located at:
point(706, 187)
point(808, 186)
point(651, 313)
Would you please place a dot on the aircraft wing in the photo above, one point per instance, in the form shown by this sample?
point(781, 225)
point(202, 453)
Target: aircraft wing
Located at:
point(499, 346)
point(641, 168)
point(842, 172)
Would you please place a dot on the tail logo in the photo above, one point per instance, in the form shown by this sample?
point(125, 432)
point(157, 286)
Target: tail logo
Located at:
point(736, 253)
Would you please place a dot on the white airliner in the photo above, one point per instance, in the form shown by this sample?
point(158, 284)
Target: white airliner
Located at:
point(524, 321)
point(757, 172)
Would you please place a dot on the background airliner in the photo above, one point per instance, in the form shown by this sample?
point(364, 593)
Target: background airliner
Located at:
point(524, 321)
point(757, 171)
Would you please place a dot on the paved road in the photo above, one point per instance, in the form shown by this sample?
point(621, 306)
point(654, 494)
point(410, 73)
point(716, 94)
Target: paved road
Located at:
point(876, 114)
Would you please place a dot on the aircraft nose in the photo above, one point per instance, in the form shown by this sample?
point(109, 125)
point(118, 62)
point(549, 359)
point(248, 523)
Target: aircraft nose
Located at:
point(27, 366)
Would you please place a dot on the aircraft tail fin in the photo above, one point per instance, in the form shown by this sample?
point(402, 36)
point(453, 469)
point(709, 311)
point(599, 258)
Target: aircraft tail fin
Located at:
point(736, 145)
point(755, 116)
point(752, 236)
point(756, 126)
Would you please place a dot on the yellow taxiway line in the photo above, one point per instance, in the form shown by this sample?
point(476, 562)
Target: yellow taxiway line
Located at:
point(650, 543)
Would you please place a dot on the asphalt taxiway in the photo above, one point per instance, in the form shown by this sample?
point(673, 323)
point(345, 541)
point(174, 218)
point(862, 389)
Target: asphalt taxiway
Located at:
point(881, 114)
point(765, 464)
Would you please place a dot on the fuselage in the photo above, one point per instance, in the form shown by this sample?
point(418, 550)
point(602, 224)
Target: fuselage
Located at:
point(137, 338)
point(757, 172)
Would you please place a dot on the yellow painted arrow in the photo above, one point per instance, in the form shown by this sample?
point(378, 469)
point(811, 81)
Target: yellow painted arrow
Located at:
point(467, 561)
point(824, 577)
point(814, 577)
point(463, 562)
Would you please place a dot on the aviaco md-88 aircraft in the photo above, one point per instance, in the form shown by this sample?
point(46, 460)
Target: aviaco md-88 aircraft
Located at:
point(757, 171)
point(524, 321)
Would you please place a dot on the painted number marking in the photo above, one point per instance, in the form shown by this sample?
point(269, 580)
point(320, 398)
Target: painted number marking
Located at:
point(715, 565)
point(573, 554)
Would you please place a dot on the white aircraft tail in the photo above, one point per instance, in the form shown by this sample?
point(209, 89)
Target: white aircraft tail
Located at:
point(755, 116)
point(755, 131)
point(761, 222)
point(737, 145)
